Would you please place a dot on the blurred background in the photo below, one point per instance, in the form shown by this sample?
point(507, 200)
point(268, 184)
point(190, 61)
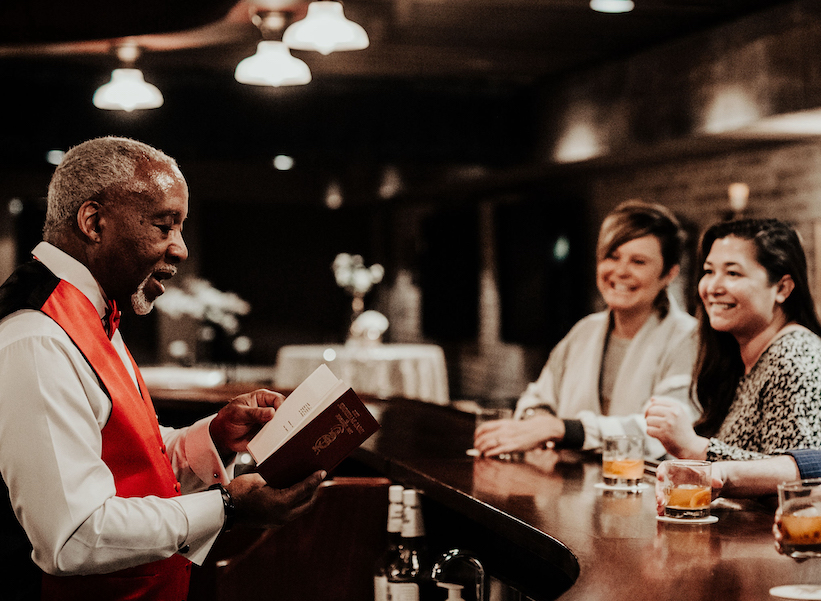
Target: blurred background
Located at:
point(471, 150)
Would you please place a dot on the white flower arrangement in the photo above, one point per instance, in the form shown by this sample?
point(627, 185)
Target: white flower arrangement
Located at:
point(200, 300)
point(353, 276)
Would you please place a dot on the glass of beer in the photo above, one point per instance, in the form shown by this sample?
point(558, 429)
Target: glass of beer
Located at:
point(623, 460)
point(687, 488)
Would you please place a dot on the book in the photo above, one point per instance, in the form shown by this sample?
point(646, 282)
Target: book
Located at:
point(319, 424)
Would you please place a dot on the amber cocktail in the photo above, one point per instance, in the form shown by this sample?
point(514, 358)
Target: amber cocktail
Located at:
point(800, 504)
point(623, 460)
point(689, 501)
point(687, 487)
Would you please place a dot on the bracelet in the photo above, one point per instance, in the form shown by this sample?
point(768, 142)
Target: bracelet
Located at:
point(537, 410)
point(227, 504)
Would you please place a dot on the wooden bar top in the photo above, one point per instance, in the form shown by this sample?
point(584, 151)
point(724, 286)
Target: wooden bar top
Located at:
point(598, 544)
point(541, 524)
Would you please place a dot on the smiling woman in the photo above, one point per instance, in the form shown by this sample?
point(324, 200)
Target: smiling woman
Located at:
point(758, 376)
point(598, 379)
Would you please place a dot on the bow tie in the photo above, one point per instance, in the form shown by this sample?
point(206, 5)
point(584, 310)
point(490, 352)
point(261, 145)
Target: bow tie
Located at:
point(111, 321)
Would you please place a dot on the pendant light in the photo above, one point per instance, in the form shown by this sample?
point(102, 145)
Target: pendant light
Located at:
point(127, 90)
point(325, 29)
point(612, 6)
point(273, 64)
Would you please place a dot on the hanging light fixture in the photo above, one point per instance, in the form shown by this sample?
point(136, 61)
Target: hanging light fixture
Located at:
point(127, 90)
point(325, 29)
point(273, 64)
point(612, 6)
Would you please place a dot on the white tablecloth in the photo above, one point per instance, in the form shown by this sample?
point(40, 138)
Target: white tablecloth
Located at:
point(414, 371)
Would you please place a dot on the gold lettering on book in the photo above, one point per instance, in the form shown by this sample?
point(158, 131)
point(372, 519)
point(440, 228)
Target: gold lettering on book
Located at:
point(346, 419)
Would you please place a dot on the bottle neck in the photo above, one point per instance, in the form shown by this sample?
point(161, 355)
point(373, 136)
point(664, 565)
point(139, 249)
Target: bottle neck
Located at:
point(412, 525)
point(395, 517)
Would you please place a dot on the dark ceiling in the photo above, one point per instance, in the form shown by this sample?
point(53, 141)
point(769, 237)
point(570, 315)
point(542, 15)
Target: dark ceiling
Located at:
point(443, 80)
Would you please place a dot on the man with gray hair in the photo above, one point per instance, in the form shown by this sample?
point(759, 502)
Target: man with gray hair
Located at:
point(97, 501)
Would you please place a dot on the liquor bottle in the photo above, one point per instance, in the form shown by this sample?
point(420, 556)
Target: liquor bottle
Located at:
point(380, 575)
point(409, 577)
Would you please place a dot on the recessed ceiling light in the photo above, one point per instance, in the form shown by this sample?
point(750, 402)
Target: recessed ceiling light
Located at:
point(612, 6)
point(283, 162)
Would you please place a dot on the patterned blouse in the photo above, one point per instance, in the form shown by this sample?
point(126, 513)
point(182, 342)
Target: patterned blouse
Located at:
point(777, 406)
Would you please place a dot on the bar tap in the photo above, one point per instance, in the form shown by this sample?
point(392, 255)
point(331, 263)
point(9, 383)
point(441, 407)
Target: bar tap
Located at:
point(438, 570)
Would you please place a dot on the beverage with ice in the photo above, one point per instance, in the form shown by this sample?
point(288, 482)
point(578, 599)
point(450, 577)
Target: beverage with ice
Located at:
point(689, 501)
point(799, 503)
point(624, 472)
point(687, 488)
point(623, 460)
point(801, 525)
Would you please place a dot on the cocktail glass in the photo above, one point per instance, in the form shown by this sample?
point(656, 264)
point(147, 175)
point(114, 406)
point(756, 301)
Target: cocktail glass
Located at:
point(623, 460)
point(686, 488)
point(799, 506)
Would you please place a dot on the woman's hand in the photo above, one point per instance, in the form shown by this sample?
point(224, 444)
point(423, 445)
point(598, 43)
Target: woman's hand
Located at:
point(668, 421)
point(511, 435)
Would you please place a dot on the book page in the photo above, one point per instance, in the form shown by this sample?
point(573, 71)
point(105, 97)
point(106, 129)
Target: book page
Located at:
point(315, 393)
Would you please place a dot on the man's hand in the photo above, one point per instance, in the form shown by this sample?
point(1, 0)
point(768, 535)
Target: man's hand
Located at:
point(237, 423)
point(260, 506)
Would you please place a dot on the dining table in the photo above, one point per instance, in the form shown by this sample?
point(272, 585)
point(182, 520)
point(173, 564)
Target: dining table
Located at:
point(385, 370)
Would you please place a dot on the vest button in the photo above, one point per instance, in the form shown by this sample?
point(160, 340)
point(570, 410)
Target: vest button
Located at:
point(178, 487)
point(162, 449)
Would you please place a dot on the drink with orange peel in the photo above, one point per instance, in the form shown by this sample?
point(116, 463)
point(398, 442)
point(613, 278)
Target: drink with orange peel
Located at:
point(623, 460)
point(687, 488)
point(800, 505)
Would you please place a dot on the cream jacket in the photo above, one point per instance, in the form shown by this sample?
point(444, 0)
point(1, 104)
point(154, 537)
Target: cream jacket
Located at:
point(658, 362)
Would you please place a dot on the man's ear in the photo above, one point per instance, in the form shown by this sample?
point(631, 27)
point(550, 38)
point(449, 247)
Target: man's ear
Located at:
point(88, 219)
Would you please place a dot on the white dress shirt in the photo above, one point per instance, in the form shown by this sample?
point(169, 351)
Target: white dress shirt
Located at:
point(52, 412)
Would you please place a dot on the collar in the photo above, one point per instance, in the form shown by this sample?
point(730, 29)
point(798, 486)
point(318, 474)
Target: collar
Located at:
point(67, 268)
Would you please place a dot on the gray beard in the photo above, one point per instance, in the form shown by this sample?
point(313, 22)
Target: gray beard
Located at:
point(139, 302)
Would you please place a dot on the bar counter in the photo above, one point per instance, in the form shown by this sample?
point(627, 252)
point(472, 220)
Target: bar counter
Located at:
point(541, 524)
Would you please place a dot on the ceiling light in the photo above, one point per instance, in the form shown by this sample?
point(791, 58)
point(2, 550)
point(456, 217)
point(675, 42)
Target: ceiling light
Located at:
point(325, 29)
point(283, 162)
point(272, 65)
point(127, 90)
point(612, 6)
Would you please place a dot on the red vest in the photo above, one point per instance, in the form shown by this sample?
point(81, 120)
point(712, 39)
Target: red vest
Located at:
point(132, 449)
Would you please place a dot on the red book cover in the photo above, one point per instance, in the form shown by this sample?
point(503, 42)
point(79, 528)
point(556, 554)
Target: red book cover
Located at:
point(322, 443)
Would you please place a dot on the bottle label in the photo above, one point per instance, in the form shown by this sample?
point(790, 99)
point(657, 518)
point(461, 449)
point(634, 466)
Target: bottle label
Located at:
point(412, 524)
point(403, 591)
point(394, 518)
point(380, 588)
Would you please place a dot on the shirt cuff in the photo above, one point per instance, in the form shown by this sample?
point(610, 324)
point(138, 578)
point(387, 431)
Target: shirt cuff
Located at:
point(203, 456)
point(573, 434)
point(205, 513)
point(808, 461)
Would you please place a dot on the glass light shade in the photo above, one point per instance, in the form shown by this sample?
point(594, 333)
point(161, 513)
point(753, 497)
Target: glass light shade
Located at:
point(272, 65)
point(325, 29)
point(612, 6)
point(127, 91)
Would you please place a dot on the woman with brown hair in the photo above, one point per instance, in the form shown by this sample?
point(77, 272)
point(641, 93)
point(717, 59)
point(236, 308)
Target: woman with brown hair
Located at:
point(599, 378)
point(758, 375)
